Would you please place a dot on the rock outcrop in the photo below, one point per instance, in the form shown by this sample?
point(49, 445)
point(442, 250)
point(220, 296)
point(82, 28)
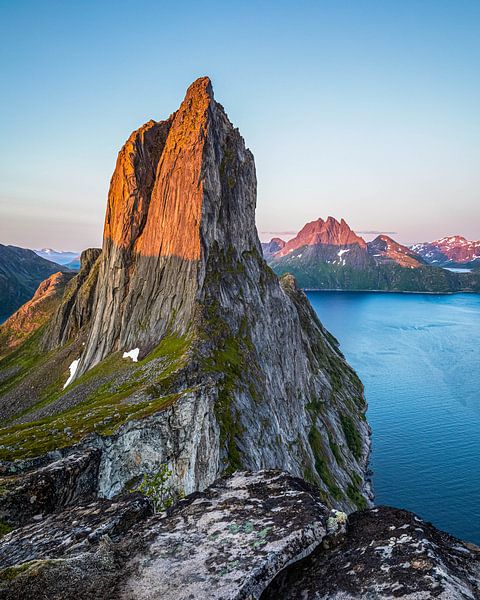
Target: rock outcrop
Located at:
point(177, 344)
point(34, 313)
point(73, 316)
point(253, 535)
point(386, 553)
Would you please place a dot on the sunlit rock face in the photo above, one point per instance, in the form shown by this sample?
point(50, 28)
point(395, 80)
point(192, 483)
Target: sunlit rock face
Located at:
point(327, 233)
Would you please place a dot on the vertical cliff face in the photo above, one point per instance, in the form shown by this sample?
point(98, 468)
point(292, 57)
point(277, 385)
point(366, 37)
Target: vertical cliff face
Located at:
point(234, 369)
point(152, 253)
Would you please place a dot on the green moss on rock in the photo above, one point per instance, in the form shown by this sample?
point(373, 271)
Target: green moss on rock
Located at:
point(352, 436)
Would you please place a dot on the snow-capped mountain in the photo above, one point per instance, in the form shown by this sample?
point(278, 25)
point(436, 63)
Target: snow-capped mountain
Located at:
point(60, 257)
point(451, 251)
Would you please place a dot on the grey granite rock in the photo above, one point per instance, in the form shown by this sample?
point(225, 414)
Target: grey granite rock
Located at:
point(226, 542)
point(387, 553)
point(252, 535)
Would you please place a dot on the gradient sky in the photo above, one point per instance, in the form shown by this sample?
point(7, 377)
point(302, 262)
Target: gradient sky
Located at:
point(357, 109)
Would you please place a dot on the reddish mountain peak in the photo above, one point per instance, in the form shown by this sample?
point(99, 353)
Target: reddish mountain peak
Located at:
point(449, 249)
point(385, 249)
point(330, 232)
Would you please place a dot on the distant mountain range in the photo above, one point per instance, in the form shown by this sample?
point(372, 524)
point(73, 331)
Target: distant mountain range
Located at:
point(454, 252)
point(330, 255)
point(61, 257)
point(21, 272)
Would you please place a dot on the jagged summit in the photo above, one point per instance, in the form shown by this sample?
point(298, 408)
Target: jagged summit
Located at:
point(450, 251)
point(173, 196)
point(386, 250)
point(330, 233)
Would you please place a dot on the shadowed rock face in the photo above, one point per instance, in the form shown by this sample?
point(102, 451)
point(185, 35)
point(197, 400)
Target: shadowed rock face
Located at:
point(76, 308)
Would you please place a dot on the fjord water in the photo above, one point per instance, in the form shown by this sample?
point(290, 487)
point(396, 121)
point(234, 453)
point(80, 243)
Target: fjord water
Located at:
point(418, 356)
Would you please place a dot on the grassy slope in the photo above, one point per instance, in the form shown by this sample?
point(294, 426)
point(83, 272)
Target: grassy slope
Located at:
point(117, 391)
point(384, 277)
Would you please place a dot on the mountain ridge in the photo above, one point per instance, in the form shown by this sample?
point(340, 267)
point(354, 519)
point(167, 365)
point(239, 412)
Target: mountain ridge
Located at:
point(450, 251)
point(335, 258)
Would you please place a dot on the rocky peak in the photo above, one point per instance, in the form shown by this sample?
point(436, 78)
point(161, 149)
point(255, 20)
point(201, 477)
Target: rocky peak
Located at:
point(327, 233)
point(173, 199)
point(384, 249)
point(452, 251)
point(272, 247)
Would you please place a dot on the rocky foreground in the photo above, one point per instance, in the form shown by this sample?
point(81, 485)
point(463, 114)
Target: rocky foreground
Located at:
point(237, 540)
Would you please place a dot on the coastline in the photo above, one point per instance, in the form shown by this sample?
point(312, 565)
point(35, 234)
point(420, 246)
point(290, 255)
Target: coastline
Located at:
point(387, 291)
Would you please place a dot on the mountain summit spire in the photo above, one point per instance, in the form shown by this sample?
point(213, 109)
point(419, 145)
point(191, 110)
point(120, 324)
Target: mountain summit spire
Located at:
point(178, 344)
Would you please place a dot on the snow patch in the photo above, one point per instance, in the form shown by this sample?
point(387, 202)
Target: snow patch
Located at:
point(340, 252)
point(73, 369)
point(133, 354)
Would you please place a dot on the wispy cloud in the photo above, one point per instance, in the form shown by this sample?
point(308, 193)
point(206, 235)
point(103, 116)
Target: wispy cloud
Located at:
point(278, 233)
point(375, 232)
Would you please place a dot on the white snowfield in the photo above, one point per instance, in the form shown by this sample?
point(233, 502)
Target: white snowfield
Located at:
point(133, 354)
point(73, 369)
point(340, 253)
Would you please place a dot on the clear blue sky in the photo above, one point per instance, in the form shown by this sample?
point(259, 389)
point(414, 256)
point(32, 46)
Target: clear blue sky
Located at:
point(359, 109)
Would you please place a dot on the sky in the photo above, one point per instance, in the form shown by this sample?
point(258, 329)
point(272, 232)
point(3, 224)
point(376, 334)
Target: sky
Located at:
point(366, 110)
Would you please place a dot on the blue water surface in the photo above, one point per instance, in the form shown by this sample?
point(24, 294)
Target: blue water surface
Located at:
point(418, 356)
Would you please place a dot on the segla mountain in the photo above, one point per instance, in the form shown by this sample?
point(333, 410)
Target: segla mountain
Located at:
point(177, 344)
point(328, 255)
